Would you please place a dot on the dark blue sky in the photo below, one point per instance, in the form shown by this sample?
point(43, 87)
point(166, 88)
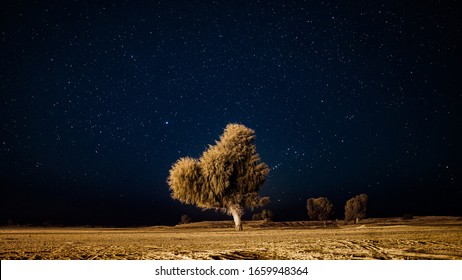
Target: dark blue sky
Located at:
point(99, 99)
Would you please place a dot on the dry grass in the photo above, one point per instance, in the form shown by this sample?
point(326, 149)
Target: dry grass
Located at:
point(420, 238)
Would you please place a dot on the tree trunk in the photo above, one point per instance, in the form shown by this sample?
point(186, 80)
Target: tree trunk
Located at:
point(357, 221)
point(237, 217)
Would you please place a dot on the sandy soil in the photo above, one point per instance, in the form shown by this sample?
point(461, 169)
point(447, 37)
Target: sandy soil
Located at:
point(420, 238)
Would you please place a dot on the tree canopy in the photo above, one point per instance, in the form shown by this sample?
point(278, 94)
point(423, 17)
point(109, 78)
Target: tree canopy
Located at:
point(319, 208)
point(355, 208)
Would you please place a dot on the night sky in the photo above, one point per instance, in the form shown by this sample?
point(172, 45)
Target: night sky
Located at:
point(98, 100)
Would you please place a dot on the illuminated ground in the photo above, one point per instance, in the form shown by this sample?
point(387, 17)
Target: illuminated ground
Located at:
point(420, 238)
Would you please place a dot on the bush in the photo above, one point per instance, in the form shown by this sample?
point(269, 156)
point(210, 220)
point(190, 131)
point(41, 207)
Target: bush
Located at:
point(256, 216)
point(185, 219)
point(408, 216)
point(267, 215)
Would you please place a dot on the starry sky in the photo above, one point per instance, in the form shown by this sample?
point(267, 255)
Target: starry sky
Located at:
point(99, 99)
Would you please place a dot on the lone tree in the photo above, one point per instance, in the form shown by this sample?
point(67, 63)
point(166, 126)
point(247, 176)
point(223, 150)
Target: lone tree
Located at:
point(226, 177)
point(320, 209)
point(355, 208)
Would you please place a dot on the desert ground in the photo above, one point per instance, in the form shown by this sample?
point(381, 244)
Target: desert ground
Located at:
point(392, 238)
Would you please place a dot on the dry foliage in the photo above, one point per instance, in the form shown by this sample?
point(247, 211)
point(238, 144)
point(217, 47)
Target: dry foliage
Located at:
point(227, 176)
